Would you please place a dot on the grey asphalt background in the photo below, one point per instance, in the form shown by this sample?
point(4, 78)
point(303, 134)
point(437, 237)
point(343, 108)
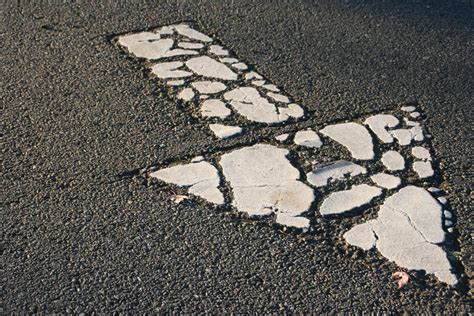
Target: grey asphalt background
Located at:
point(83, 230)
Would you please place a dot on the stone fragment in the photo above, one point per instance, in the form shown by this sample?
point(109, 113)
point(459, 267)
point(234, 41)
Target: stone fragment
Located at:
point(218, 50)
point(379, 123)
point(447, 214)
point(450, 230)
point(282, 137)
point(448, 223)
point(421, 153)
point(240, 66)
point(187, 31)
point(322, 174)
point(253, 75)
point(186, 94)
point(347, 200)
point(278, 97)
point(410, 123)
point(362, 236)
point(423, 169)
point(408, 108)
point(211, 68)
point(209, 87)
point(408, 229)
point(197, 159)
point(169, 70)
point(354, 137)
point(434, 190)
point(175, 82)
point(414, 114)
point(386, 181)
point(215, 108)
point(393, 161)
point(271, 87)
point(403, 136)
point(190, 45)
point(258, 83)
point(225, 131)
point(292, 221)
point(228, 60)
point(307, 138)
point(292, 110)
point(263, 182)
point(442, 200)
point(201, 177)
point(165, 30)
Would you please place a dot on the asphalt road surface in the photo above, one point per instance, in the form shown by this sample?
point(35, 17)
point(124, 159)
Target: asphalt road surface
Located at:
point(85, 230)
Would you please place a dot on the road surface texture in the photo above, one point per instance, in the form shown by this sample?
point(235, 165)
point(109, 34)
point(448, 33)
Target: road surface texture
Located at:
point(86, 229)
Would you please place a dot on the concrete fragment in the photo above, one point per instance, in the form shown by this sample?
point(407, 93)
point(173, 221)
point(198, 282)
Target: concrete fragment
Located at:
point(169, 70)
point(190, 45)
point(442, 200)
point(218, 50)
point(187, 31)
point(292, 221)
point(253, 75)
point(282, 137)
point(211, 68)
point(393, 161)
point(292, 110)
point(408, 108)
point(361, 236)
point(322, 174)
point(186, 94)
point(209, 87)
point(225, 131)
point(354, 137)
point(307, 138)
point(423, 169)
point(215, 108)
point(240, 66)
point(271, 87)
point(175, 82)
point(278, 97)
point(386, 181)
point(347, 200)
point(228, 60)
point(421, 153)
point(379, 123)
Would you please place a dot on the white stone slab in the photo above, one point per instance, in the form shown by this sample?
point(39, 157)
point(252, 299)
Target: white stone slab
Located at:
point(322, 174)
point(421, 153)
point(354, 137)
point(225, 131)
point(209, 87)
point(379, 123)
point(393, 161)
point(292, 221)
point(292, 110)
point(201, 177)
point(169, 70)
point(187, 31)
point(211, 68)
point(175, 82)
point(229, 60)
point(186, 94)
point(240, 66)
point(253, 75)
point(347, 200)
point(218, 50)
point(423, 169)
point(408, 108)
point(271, 87)
point(258, 83)
point(215, 108)
point(386, 181)
point(278, 97)
point(308, 138)
point(282, 137)
point(362, 236)
point(190, 45)
point(263, 181)
point(415, 114)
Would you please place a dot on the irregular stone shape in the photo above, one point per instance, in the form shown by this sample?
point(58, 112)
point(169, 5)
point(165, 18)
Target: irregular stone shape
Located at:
point(405, 136)
point(292, 221)
point(415, 114)
point(421, 153)
point(209, 87)
point(263, 182)
point(408, 229)
point(410, 123)
point(215, 108)
point(434, 190)
point(307, 138)
point(225, 131)
point(423, 169)
point(442, 200)
point(248, 102)
point(282, 137)
point(149, 45)
point(278, 97)
point(218, 50)
point(347, 200)
point(253, 75)
point(322, 174)
point(408, 108)
point(240, 66)
point(362, 236)
point(175, 82)
point(186, 94)
point(386, 181)
point(447, 214)
point(292, 110)
point(271, 87)
point(211, 68)
point(354, 137)
point(379, 123)
point(190, 45)
point(258, 83)
point(169, 70)
point(448, 223)
point(201, 177)
point(228, 60)
point(393, 160)
point(185, 30)
point(165, 30)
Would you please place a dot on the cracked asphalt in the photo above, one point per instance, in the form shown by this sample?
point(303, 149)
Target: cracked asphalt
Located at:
point(84, 230)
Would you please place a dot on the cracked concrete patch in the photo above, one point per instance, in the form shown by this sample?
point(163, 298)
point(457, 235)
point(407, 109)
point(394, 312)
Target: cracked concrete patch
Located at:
point(347, 200)
point(353, 136)
point(322, 174)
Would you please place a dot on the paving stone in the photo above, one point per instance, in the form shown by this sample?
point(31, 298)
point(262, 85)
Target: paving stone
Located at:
point(240, 66)
point(187, 31)
point(354, 137)
point(386, 181)
point(307, 138)
point(215, 108)
point(175, 82)
point(347, 200)
point(225, 131)
point(209, 87)
point(292, 110)
point(408, 108)
point(218, 50)
point(263, 181)
point(447, 214)
point(379, 123)
point(421, 153)
point(322, 174)
point(210, 68)
point(282, 137)
point(393, 161)
point(278, 97)
point(190, 45)
point(169, 70)
point(423, 169)
point(201, 177)
point(186, 94)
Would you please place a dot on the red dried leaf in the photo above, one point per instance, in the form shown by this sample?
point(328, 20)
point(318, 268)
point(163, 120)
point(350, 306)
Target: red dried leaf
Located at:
point(403, 278)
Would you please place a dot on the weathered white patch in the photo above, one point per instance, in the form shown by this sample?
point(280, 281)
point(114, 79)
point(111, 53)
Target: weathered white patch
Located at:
point(271, 87)
point(258, 83)
point(165, 30)
point(423, 169)
point(379, 123)
point(208, 67)
point(417, 132)
point(386, 181)
point(410, 123)
point(421, 153)
point(209, 87)
point(225, 131)
point(362, 236)
point(307, 138)
point(169, 70)
point(354, 137)
point(228, 60)
point(253, 75)
point(405, 136)
point(240, 66)
point(347, 200)
point(393, 160)
point(278, 97)
point(414, 114)
point(185, 30)
point(190, 45)
point(201, 177)
point(322, 174)
point(175, 82)
point(292, 110)
point(408, 227)
point(282, 137)
point(263, 182)
point(292, 221)
point(248, 102)
point(186, 94)
point(218, 50)
point(408, 108)
point(215, 108)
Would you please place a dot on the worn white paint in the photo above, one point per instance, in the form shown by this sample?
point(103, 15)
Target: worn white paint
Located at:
point(186, 94)
point(209, 87)
point(225, 131)
point(215, 108)
point(379, 124)
point(210, 68)
point(393, 160)
point(421, 153)
point(423, 169)
point(347, 200)
point(323, 174)
point(169, 70)
point(386, 181)
point(308, 138)
point(354, 137)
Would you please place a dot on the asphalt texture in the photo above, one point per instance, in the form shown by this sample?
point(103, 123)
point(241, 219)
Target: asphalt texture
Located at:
point(85, 230)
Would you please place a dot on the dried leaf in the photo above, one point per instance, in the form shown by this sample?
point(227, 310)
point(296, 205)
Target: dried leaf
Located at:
point(403, 278)
point(178, 198)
